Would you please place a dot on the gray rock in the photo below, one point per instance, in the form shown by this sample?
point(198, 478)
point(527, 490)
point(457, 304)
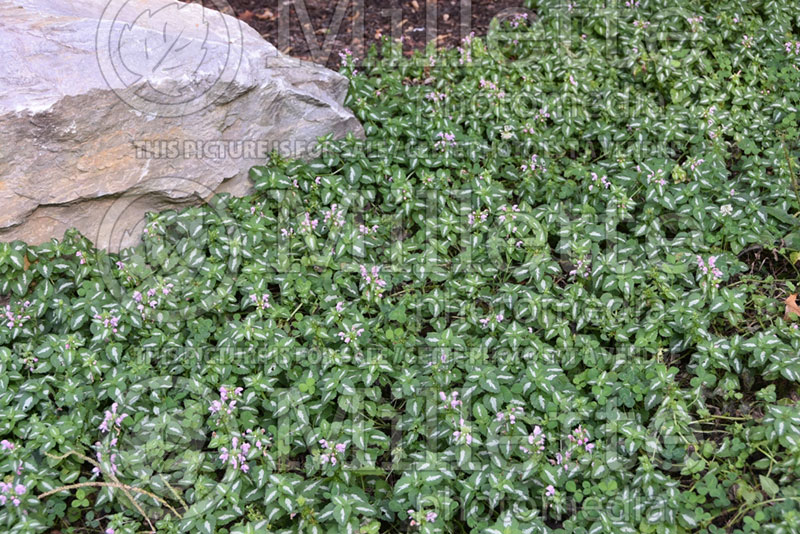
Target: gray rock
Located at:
point(145, 104)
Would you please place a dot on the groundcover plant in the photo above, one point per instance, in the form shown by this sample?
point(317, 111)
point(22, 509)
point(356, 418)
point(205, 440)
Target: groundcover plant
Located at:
point(545, 294)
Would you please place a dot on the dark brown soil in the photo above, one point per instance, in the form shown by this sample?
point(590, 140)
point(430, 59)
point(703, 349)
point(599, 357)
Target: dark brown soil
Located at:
point(316, 30)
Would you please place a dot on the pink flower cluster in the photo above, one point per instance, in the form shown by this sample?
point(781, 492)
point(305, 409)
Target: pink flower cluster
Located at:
point(536, 164)
point(518, 19)
point(436, 96)
point(535, 441)
point(372, 278)
point(366, 230)
point(261, 303)
point(30, 361)
point(335, 216)
point(510, 213)
point(485, 321)
point(332, 453)
point(582, 268)
point(643, 24)
point(353, 334)
point(6, 445)
point(603, 180)
point(657, 177)
point(541, 116)
point(225, 405)
point(430, 517)
point(260, 440)
point(488, 84)
point(109, 321)
point(112, 459)
point(710, 267)
point(450, 402)
point(695, 163)
point(792, 47)
point(580, 437)
point(513, 411)
point(482, 215)
point(237, 455)
point(465, 50)
point(445, 139)
point(463, 433)
point(346, 57)
point(695, 21)
point(308, 225)
point(11, 493)
point(16, 319)
point(137, 296)
point(79, 254)
point(562, 460)
point(579, 441)
point(242, 447)
point(111, 417)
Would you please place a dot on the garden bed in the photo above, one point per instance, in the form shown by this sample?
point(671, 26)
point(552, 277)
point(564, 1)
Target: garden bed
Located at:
point(553, 290)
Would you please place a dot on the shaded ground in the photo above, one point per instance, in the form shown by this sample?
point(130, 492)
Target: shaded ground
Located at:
point(317, 30)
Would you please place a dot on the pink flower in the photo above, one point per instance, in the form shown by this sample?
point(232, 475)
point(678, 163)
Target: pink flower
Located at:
point(445, 139)
point(354, 333)
point(536, 164)
point(262, 302)
point(451, 401)
point(550, 491)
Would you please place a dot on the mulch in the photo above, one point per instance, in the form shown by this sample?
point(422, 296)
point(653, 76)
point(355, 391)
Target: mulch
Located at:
point(316, 30)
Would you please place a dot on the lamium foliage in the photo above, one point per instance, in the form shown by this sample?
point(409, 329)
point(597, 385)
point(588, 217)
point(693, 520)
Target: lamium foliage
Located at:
point(544, 294)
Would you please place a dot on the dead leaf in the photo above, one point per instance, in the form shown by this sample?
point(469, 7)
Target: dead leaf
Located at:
point(791, 306)
point(246, 16)
point(265, 15)
point(415, 5)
